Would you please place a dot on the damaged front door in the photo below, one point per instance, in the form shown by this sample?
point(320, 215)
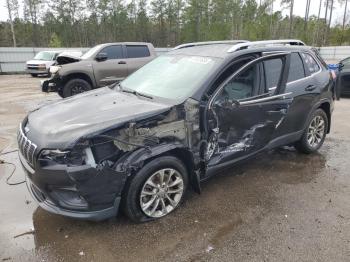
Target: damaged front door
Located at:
point(242, 113)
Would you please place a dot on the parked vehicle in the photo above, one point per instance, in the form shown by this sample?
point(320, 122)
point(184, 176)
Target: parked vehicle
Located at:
point(102, 65)
point(344, 63)
point(177, 121)
point(344, 76)
point(41, 63)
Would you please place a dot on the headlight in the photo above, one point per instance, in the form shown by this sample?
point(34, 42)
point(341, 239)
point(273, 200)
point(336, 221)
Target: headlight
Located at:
point(70, 158)
point(53, 154)
point(54, 69)
point(42, 66)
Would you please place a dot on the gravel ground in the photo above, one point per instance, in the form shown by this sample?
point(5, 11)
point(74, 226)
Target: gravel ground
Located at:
point(280, 206)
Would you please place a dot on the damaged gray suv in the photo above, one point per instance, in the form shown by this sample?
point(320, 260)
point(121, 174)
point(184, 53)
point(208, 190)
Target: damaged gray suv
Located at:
point(138, 146)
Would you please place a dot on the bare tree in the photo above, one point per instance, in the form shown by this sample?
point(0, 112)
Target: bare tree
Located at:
point(307, 12)
point(290, 3)
point(12, 6)
point(315, 36)
point(345, 11)
point(330, 20)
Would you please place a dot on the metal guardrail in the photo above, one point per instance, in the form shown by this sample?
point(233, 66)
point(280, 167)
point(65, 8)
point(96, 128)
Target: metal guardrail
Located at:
point(13, 59)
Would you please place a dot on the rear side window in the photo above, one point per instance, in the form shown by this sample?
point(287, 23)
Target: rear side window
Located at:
point(273, 70)
point(296, 70)
point(318, 55)
point(310, 63)
point(113, 52)
point(137, 51)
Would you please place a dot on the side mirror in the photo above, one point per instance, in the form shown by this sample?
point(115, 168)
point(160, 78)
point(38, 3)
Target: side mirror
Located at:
point(101, 57)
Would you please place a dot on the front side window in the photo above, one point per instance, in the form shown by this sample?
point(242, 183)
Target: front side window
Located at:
point(346, 61)
point(273, 69)
point(113, 52)
point(310, 63)
point(296, 69)
point(173, 77)
point(90, 52)
point(242, 86)
point(137, 51)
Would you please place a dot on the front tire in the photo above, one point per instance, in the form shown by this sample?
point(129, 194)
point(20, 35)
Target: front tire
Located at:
point(75, 86)
point(156, 190)
point(315, 133)
point(34, 75)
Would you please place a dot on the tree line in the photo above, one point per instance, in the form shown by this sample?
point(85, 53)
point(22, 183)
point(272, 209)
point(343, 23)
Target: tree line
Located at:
point(166, 23)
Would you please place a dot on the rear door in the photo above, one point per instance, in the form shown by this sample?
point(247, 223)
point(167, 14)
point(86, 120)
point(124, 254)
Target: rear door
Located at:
point(137, 56)
point(301, 83)
point(242, 115)
point(112, 70)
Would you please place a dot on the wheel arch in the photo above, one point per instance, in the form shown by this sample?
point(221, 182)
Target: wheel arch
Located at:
point(78, 75)
point(326, 107)
point(139, 158)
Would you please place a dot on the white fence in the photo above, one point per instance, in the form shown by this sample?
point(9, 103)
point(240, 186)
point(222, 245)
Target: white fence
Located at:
point(333, 54)
point(12, 60)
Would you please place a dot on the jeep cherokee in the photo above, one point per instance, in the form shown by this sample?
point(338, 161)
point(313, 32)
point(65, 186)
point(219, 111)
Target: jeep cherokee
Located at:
point(139, 145)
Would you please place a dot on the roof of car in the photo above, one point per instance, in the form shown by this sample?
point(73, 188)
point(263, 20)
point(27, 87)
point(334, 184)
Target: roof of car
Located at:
point(126, 43)
point(223, 50)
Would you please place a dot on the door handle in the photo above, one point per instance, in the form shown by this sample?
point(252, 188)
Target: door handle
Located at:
point(122, 63)
point(282, 111)
point(310, 88)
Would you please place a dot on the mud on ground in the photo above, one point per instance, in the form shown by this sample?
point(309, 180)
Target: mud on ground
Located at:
point(280, 206)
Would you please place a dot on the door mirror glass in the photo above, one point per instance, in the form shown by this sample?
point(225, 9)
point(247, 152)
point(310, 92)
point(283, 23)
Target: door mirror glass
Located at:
point(101, 57)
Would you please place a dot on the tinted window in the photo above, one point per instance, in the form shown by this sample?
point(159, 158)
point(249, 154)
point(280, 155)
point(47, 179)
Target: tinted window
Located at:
point(317, 54)
point(273, 70)
point(135, 51)
point(296, 70)
point(113, 52)
point(310, 63)
point(346, 61)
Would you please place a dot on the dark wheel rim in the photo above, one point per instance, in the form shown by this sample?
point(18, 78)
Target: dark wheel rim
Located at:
point(161, 193)
point(316, 131)
point(77, 89)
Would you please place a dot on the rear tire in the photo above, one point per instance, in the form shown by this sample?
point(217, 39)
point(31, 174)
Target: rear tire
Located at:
point(315, 133)
point(165, 195)
point(75, 86)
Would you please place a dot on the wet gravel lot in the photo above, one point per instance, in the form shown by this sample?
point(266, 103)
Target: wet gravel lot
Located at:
point(280, 206)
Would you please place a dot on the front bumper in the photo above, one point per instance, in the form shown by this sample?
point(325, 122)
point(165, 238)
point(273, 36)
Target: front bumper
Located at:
point(75, 193)
point(53, 84)
point(37, 71)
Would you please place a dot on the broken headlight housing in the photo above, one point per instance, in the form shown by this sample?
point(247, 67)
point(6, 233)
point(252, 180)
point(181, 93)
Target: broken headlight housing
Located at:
point(54, 69)
point(68, 157)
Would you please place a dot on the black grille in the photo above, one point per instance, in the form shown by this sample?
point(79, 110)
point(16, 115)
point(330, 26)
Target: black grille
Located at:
point(26, 147)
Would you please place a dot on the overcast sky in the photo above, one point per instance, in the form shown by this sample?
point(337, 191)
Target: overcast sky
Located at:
point(299, 9)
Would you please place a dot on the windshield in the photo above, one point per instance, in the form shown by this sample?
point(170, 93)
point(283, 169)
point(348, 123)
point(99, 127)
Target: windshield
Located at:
point(171, 77)
point(46, 56)
point(90, 52)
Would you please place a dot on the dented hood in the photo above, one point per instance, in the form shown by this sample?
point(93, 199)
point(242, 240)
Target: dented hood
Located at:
point(67, 59)
point(60, 124)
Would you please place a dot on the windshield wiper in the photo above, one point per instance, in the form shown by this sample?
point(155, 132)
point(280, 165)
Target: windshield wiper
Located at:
point(134, 92)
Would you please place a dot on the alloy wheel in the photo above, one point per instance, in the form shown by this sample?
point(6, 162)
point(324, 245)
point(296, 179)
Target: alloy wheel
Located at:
point(77, 89)
point(316, 131)
point(162, 192)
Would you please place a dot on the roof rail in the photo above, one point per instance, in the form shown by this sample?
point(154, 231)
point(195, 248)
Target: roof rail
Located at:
point(245, 45)
point(229, 42)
